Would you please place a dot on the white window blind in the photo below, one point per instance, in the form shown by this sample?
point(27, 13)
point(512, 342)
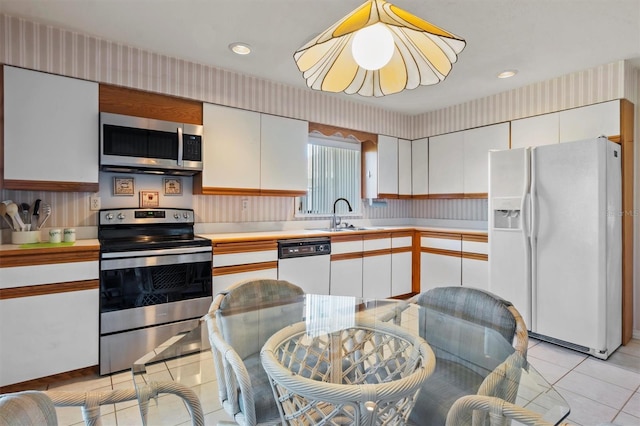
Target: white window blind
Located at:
point(333, 172)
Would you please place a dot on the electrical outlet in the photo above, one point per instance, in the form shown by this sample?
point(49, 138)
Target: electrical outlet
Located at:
point(94, 202)
point(245, 204)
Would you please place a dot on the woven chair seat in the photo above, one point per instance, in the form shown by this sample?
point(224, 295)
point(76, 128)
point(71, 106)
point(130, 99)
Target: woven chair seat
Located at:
point(366, 374)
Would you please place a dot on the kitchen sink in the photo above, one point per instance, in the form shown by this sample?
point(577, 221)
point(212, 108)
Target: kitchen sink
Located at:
point(347, 229)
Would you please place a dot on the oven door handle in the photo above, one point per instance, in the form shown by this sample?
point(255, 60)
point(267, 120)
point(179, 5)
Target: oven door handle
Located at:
point(159, 252)
point(149, 261)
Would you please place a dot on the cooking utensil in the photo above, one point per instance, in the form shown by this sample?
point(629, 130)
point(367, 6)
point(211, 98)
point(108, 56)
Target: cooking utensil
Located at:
point(3, 213)
point(26, 216)
point(35, 212)
point(46, 210)
point(12, 212)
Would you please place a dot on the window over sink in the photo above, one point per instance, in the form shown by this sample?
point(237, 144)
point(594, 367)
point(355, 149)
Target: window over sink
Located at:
point(334, 171)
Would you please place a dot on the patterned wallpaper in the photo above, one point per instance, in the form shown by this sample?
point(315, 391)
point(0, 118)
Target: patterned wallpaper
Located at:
point(40, 47)
point(594, 85)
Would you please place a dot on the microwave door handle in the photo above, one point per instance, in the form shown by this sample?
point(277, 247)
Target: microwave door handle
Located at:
point(180, 146)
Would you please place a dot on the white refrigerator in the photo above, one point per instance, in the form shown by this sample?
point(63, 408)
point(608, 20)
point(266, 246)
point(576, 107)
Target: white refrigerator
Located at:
point(555, 240)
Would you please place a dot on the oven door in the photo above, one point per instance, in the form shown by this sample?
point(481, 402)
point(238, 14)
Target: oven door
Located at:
point(145, 288)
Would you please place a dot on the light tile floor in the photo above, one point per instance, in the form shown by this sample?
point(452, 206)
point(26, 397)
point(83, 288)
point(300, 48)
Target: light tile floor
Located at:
point(597, 391)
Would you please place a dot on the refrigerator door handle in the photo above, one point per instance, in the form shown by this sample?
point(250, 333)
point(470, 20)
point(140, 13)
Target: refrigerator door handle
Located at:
point(525, 207)
point(534, 242)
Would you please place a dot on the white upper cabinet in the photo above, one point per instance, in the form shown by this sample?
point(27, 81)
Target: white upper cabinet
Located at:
point(283, 162)
point(420, 166)
point(387, 165)
point(253, 151)
point(404, 167)
point(477, 143)
point(50, 127)
point(232, 147)
point(590, 121)
point(535, 131)
point(446, 163)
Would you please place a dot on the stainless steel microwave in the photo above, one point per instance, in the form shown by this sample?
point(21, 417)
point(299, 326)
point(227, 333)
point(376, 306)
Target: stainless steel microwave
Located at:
point(143, 145)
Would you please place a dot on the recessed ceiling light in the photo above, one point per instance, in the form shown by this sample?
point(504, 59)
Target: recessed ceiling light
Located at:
point(240, 48)
point(507, 73)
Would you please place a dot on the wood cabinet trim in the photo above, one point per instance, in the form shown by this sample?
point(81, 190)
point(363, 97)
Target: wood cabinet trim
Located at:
point(123, 100)
point(627, 113)
point(346, 256)
point(475, 238)
point(376, 236)
point(441, 252)
point(244, 246)
point(281, 193)
point(388, 196)
point(475, 256)
point(328, 130)
point(446, 196)
point(441, 235)
point(200, 190)
point(406, 249)
point(379, 252)
point(476, 195)
point(237, 269)
point(401, 234)
point(345, 238)
point(45, 289)
point(41, 185)
point(48, 256)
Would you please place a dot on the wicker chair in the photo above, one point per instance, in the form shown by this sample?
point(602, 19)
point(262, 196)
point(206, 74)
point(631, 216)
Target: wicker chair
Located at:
point(497, 409)
point(243, 386)
point(28, 408)
point(366, 374)
point(457, 373)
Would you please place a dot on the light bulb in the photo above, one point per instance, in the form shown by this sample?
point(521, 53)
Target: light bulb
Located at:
point(372, 46)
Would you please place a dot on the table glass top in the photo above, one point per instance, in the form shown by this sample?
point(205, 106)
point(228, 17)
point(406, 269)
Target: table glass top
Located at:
point(481, 348)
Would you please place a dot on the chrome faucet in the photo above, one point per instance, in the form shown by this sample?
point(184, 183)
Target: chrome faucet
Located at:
point(334, 223)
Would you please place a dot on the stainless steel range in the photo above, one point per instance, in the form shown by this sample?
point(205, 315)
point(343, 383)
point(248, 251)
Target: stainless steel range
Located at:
point(155, 281)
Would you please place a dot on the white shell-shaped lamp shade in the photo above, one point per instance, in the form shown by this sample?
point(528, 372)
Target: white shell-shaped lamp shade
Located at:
point(422, 53)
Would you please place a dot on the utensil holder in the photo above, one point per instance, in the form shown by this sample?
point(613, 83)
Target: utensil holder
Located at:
point(26, 237)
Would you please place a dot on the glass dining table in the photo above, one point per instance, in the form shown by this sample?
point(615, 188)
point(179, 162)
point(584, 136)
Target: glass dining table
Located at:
point(483, 348)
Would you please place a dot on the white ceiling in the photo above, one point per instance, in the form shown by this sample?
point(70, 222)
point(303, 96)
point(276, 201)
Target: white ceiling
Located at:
point(540, 38)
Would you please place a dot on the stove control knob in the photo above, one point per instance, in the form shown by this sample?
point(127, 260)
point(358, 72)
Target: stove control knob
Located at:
point(176, 216)
point(109, 216)
point(185, 215)
point(121, 216)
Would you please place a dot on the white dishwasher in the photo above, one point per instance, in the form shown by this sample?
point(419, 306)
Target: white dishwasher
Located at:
point(306, 262)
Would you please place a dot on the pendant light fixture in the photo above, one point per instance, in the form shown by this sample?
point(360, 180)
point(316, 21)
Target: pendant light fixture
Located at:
point(377, 50)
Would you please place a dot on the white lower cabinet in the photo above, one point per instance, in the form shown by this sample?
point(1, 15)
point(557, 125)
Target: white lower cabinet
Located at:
point(475, 273)
point(238, 261)
point(224, 281)
point(346, 277)
point(46, 332)
point(346, 266)
point(401, 263)
point(475, 261)
point(437, 270)
point(376, 266)
point(453, 259)
point(57, 333)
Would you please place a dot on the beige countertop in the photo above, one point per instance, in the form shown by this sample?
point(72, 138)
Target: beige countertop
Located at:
point(79, 244)
point(302, 233)
point(251, 236)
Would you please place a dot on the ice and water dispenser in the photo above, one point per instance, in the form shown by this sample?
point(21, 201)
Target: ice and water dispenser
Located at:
point(506, 213)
